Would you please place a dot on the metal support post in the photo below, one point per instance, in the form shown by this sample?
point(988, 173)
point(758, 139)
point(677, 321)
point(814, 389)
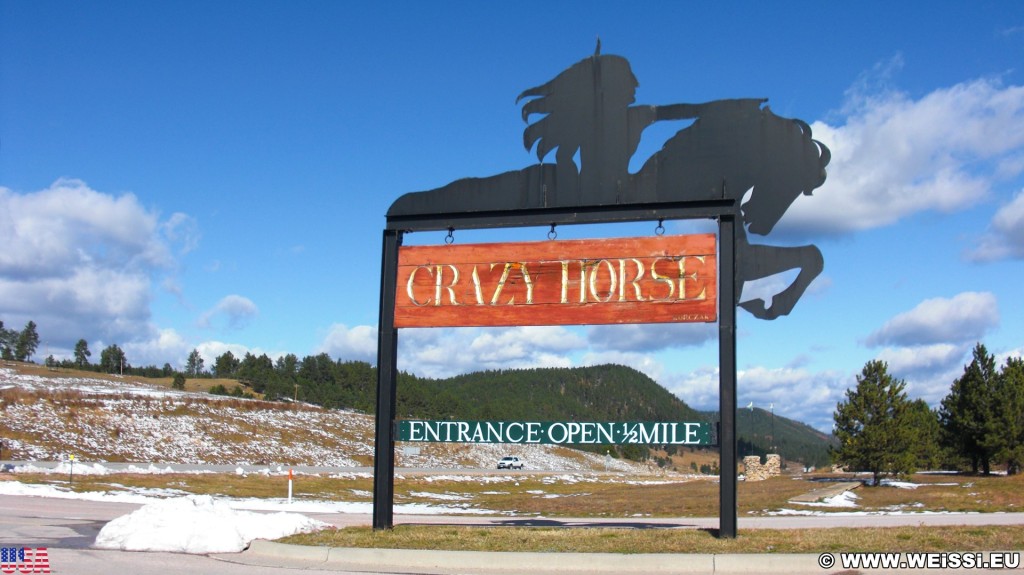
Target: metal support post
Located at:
point(387, 376)
point(727, 376)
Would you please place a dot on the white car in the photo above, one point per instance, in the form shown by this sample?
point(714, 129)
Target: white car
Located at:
point(510, 463)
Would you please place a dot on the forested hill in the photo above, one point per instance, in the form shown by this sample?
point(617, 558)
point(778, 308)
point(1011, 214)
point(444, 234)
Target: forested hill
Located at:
point(761, 432)
point(598, 393)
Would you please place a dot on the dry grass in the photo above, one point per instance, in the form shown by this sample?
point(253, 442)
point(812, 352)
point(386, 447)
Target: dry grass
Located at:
point(968, 493)
point(607, 495)
point(593, 540)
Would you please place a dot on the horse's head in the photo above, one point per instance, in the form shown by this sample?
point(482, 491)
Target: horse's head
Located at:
point(788, 163)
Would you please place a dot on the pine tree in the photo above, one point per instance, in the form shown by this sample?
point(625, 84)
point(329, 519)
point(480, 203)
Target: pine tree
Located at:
point(1009, 399)
point(194, 364)
point(113, 360)
point(225, 365)
point(8, 339)
point(872, 425)
point(966, 414)
point(82, 354)
point(28, 342)
point(924, 422)
point(178, 382)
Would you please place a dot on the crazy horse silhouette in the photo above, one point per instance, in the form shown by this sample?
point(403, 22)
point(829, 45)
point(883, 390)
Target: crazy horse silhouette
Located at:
point(732, 147)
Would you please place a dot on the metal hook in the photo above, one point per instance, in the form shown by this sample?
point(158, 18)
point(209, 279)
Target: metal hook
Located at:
point(660, 230)
point(552, 234)
point(450, 238)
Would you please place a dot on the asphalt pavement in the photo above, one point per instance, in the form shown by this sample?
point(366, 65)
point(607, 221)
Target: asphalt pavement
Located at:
point(68, 528)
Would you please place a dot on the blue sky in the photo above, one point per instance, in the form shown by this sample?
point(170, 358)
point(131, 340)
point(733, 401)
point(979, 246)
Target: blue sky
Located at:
point(215, 176)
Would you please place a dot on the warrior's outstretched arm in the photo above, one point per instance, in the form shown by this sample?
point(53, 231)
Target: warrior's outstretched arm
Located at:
point(692, 111)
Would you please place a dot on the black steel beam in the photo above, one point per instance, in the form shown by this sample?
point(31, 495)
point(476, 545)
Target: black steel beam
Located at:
point(727, 376)
point(387, 383)
point(616, 213)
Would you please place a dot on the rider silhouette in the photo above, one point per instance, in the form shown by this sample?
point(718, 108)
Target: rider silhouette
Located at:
point(732, 148)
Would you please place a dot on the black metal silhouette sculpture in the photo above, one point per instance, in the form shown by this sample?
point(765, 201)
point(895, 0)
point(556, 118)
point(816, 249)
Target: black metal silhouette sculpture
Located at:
point(732, 147)
point(736, 162)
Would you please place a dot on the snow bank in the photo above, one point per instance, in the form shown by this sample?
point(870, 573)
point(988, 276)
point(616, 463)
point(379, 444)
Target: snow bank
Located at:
point(198, 524)
point(844, 499)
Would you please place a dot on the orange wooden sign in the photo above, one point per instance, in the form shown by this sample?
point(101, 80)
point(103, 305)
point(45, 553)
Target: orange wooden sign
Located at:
point(559, 282)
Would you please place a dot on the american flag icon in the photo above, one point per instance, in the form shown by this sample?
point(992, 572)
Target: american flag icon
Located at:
point(24, 560)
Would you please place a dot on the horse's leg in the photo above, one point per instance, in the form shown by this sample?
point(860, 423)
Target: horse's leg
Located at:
point(760, 261)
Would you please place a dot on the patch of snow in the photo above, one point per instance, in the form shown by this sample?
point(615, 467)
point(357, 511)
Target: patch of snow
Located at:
point(909, 485)
point(440, 496)
point(198, 524)
point(813, 513)
point(844, 499)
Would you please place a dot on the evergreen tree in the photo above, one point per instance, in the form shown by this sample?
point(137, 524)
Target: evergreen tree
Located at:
point(8, 339)
point(968, 425)
point(927, 440)
point(194, 364)
point(226, 365)
point(113, 360)
point(28, 341)
point(287, 365)
point(82, 354)
point(179, 381)
point(1009, 398)
point(256, 372)
point(872, 425)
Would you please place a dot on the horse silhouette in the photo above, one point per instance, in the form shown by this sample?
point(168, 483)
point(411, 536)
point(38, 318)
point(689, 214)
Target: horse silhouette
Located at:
point(732, 147)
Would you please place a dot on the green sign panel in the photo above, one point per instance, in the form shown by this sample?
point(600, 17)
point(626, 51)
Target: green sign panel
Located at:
point(557, 432)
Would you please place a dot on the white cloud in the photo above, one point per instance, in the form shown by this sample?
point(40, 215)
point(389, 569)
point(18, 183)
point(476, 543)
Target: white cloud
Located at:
point(896, 156)
point(162, 347)
point(69, 225)
point(809, 397)
point(80, 263)
point(1002, 357)
point(237, 311)
point(211, 350)
point(357, 343)
point(699, 388)
point(929, 370)
point(447, 352)
point(650, 337)
point(923, 360)
point(964, 318)
point(182, 229)
point(1005, 236)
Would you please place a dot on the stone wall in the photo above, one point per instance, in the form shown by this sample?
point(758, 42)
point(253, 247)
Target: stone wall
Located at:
point(754, 470)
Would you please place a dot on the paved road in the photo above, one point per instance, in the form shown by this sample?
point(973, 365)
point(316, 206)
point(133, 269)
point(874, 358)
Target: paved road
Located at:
point(68, 528)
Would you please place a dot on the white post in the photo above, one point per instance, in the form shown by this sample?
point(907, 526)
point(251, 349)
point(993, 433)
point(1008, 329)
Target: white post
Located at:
point(289, 486)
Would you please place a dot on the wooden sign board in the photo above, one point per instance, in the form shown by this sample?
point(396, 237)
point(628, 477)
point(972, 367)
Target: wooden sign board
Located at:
point(656, 279)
